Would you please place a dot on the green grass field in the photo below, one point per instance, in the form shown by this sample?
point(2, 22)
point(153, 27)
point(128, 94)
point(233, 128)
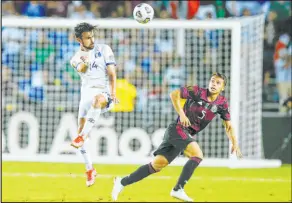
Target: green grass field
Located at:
point(51, 182)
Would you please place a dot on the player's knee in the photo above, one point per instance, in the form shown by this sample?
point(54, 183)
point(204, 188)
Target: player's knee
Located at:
point(194, 150)
point(198, 154)
point(98, 102)
point(159, 163)
point(194, 154)
point(201, 155)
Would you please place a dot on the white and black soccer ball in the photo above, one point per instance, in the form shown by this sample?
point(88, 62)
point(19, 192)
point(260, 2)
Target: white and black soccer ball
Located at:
point(143, 13)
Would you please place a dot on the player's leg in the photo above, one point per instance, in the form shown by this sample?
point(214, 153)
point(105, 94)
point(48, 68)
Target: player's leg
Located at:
point(164, 155)
point(99, 102)
point(157, 164)
point(195, 155)
point(90, 171)
point(81, 122)
point(109, 105)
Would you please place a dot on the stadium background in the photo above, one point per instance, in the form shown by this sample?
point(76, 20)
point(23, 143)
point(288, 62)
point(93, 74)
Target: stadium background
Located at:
point(35, 85)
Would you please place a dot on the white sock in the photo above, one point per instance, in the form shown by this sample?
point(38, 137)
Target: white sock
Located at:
point(86, 156)
point(91, 119)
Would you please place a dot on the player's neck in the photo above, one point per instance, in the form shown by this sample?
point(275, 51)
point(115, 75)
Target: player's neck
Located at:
point(83, 49)
point(212, 97)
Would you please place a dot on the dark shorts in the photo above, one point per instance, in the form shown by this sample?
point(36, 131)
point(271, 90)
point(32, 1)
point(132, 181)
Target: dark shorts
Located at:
point(175, 141)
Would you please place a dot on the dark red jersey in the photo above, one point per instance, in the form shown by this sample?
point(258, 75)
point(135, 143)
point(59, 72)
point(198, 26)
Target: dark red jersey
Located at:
point(199, 110)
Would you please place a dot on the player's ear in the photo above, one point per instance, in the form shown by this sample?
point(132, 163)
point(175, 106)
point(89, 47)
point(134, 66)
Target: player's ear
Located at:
point(223, 87)
point(78, 39)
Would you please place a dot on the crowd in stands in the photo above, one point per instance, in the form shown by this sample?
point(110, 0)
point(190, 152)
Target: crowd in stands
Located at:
point(22, 45)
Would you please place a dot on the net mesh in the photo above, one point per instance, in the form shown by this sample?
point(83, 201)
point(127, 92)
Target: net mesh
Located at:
point(37, 78)
point(251, 88)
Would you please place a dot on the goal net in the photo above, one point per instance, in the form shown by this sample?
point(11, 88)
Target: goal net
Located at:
point(40, 91)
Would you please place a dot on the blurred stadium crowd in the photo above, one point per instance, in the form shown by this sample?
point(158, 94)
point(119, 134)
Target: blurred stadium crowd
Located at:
point(40, 50)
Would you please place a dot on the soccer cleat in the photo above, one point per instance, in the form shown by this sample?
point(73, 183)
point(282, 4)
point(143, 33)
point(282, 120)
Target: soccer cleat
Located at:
point(77, 142)
point(90, 177)
point(180, 194)
point(118, 187)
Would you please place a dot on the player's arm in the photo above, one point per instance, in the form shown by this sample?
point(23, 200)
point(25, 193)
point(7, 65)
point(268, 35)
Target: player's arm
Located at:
point(230, 132)
point(225, 116)
point(80, 64)
point(175, 99)
point(111, 71)
point(231, 135)
point(82, 67)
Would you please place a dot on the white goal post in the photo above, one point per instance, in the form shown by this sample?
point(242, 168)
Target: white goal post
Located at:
point(37, 130)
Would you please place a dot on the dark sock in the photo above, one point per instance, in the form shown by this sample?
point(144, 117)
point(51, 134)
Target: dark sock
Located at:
point(187, 172)
point(138, 175)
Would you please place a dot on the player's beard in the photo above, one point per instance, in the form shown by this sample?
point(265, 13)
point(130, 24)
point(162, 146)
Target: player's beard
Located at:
point(88, 48)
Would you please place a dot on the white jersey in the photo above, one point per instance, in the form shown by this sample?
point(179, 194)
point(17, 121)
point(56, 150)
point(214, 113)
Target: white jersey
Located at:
point(98, 60)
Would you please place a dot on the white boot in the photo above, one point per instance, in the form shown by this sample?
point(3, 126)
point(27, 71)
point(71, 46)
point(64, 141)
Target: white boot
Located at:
point(180, 194)
point(118, 187)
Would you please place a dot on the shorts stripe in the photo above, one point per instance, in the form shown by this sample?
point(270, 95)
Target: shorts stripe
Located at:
point(181, 132)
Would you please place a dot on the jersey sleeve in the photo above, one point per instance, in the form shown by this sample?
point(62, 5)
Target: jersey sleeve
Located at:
point(189, 92)
point(225, 112)
point(109, 56)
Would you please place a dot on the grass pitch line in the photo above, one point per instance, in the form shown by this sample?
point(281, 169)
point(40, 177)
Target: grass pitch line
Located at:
point(214, 178)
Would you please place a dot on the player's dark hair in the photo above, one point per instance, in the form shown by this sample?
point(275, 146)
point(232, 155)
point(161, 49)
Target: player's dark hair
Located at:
point(83, 27)
point(220, 75)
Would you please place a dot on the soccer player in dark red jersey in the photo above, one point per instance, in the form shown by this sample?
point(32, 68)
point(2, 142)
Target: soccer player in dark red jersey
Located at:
point(202, 105)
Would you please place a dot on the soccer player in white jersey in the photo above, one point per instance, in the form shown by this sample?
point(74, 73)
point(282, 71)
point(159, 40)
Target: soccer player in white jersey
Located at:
point(95, 64)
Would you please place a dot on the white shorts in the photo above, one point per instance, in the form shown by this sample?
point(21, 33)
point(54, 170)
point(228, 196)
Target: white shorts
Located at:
point(87, 96)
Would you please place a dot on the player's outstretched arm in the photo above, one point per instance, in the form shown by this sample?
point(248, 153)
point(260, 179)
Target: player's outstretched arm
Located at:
point(175, 99)
point(230, 133)
point(111, 71)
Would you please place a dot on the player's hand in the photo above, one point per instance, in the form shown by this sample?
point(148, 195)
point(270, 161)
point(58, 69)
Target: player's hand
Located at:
point(236, 149)
point(115, 100)
point(184, 120)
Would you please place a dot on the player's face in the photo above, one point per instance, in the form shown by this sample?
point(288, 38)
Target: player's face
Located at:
point(216, 85)
point(87, 40)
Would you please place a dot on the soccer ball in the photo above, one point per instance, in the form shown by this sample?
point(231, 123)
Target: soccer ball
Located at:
point(143, 13)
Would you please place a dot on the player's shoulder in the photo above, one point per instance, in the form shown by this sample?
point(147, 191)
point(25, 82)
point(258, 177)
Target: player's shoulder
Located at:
point(198, 88)
point(75, 58)
point(102, 46)
point(76, 54)
point(194, 88)
point(222, 100)
point(191, 88)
